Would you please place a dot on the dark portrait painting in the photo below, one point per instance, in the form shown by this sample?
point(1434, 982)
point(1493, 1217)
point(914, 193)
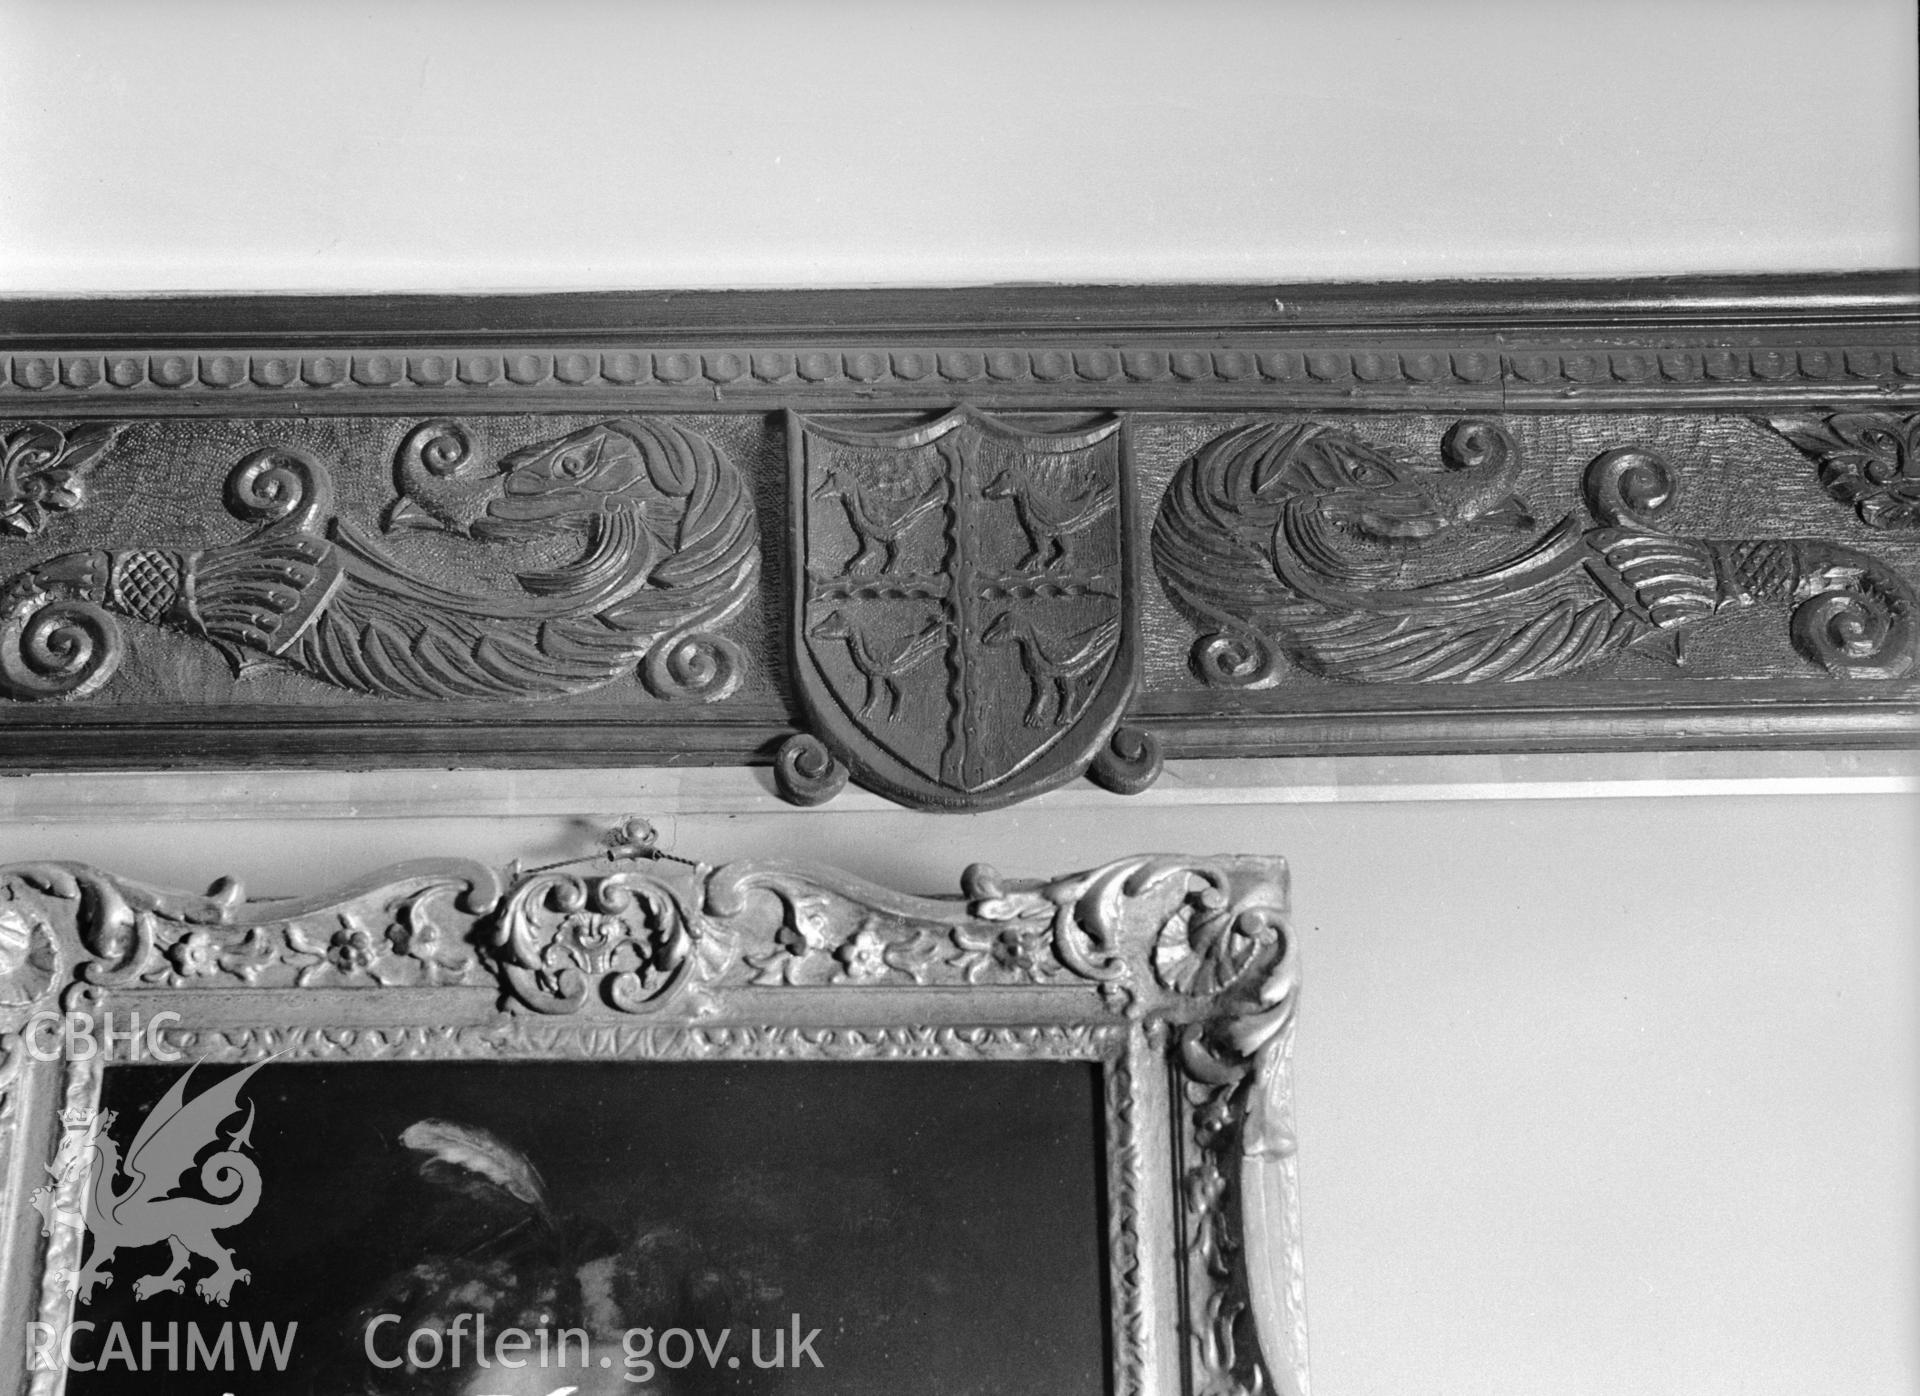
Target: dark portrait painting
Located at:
point(860, 1229)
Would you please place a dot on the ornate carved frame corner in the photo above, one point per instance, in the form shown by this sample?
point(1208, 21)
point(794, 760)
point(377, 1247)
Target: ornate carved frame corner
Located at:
point(1176, 975)
point(1086, 529)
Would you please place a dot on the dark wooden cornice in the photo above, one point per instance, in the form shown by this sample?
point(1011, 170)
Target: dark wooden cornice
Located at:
point(965, 543)
point(1731, 302)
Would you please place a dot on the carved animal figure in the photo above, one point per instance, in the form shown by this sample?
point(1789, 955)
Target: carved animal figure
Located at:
point(884, 495)
point(651, 523)
point(883, 663)
point(1054, 666)
point(144, 1212)
point(1362, 565)
point(1053, 500)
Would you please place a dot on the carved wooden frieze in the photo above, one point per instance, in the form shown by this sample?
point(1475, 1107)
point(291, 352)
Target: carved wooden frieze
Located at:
point(1175, 978)
point(656, 541)
point(1358, 564)
point(965, 573)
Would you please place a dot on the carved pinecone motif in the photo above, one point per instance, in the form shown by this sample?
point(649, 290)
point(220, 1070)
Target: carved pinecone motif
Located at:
point(146, 583)
point(1764, 568)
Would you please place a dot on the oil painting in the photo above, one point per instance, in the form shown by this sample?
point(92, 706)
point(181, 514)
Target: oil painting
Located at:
point(883, 1228)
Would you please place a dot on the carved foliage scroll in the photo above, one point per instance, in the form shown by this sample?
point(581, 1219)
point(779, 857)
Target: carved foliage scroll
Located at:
point(44, 470)
point(1870, 460)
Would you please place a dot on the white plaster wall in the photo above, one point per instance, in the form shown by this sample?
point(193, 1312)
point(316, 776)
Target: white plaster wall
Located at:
point(326, 145)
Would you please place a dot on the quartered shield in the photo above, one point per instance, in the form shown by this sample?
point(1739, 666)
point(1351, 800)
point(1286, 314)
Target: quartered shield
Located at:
point(964, 616)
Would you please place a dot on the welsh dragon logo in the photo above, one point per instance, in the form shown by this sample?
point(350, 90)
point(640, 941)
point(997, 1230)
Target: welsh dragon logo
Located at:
point(130, 1203)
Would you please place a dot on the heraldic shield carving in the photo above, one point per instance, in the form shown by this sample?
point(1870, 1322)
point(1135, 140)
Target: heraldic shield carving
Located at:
point(965, 623)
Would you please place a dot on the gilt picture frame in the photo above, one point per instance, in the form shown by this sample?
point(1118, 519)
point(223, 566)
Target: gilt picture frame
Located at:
point(1169, 982)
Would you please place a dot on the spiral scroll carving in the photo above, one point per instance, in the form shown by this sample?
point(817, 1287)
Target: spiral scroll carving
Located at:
point(279, 484)
point(1236, 659)
point(1128, 763)
point(693, 666)
point(1630, 487)
point(806, 772)
point(1857, 621)
point(58, 647)
point(439, 447)
point(1475, 443)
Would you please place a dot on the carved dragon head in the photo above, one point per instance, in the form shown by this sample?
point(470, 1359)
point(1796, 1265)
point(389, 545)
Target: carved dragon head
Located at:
point(1370, 492)
point(540, 489)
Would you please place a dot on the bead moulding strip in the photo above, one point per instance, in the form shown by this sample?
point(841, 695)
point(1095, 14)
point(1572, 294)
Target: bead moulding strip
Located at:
point(352, 379)
point(1536, 345)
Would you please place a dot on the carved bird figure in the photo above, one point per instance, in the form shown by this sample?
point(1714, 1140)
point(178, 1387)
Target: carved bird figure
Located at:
point(884, 494)
point(1053, 665)
point(1053, 499)
point(634, 530)
point(1304, 536)
point(884, 662)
